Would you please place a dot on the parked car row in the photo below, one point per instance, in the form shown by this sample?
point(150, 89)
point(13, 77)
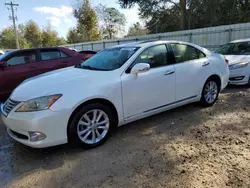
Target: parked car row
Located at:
point(85, 103)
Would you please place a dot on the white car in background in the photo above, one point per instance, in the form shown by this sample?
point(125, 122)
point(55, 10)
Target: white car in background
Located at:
point(238, 54)
point(83, 104)
point(1, 52)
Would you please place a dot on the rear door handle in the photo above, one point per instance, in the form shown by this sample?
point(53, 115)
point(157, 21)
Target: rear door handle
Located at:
point(169, 72)
point(205, 64)
point(65, 62)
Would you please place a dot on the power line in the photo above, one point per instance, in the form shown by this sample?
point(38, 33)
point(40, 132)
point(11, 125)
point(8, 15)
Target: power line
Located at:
point(14, 18)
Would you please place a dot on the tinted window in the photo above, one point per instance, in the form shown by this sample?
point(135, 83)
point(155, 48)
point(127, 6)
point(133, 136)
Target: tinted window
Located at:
point(22, 58)
point(184, 53)
point(240, 48)
point(52, 54)
point(156, 56)
point(63, 54)
point(109, 59)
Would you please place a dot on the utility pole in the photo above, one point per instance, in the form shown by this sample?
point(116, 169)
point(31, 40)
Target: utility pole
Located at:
point(12, 5)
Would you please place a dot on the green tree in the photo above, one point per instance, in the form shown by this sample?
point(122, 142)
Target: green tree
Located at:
point(87, 23)
point(50, 38)
point(7, 38)
point(33, 34)
point(173, 15)
point(154, 8)
point(112, 21)
point(73, 36)
point(136, 30)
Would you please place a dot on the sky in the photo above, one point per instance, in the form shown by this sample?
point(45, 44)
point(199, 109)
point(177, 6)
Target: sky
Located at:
point(57, 13)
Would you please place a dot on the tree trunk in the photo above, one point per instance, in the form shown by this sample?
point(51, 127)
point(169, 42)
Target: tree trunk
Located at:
point(183, 19)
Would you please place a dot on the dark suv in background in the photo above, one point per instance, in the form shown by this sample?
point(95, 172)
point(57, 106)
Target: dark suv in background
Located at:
point(18, 65)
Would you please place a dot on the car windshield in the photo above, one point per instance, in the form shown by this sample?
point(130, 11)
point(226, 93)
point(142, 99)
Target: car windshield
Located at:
point(239, 48)
point(109, 59)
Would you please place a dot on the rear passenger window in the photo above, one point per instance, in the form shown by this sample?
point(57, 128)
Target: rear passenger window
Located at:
point(184, 52)
point(52, 54)
point(63, 54)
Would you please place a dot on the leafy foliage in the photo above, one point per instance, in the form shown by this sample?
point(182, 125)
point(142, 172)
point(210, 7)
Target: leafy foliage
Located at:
point(7, 38)
point(30, 36)
point(112, 21)
point(50, 38)
point(136, 30)
point(87, 23)
point(173, 15)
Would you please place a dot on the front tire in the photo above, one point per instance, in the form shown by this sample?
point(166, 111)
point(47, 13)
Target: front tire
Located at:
point(210, 93)
point(91, 126)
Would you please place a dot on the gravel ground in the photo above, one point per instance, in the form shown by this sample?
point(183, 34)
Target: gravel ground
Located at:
point(186, 147)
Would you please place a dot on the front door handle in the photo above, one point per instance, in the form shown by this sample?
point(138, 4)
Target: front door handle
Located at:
point(169, 72)
point(205, 64)
point(65, 62)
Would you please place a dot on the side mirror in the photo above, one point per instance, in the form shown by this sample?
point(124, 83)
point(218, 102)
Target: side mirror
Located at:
point(140, 68)
point(3, 63)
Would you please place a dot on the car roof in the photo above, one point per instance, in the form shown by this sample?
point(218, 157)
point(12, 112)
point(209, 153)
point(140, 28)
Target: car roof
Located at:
point(145, 44)
point(41, 48)
point(241, 40)
point(150, 43)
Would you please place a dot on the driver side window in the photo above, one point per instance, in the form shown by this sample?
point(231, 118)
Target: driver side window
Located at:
point(156, 56)
point(22, 58)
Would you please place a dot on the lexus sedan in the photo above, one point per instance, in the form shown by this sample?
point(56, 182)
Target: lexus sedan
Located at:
point(238, 54)
point(85, 103)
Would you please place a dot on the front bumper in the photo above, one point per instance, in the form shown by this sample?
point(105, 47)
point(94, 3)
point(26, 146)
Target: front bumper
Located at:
point(52, 124)
point(239, 76)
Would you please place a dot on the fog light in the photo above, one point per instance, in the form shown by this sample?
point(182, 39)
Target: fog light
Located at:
point(36, 136)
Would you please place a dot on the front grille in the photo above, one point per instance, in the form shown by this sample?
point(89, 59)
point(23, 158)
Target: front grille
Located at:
point(9, 105)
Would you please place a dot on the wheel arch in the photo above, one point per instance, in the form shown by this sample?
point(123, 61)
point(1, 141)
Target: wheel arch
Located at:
point(91, 101)
point(216, 78)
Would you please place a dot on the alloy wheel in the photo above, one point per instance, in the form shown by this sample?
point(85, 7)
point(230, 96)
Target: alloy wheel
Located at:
point(211, 92)
point(93, 126)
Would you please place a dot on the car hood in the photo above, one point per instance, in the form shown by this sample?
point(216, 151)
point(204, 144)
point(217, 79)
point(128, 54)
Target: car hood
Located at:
point(234, 59)
point(52, 82)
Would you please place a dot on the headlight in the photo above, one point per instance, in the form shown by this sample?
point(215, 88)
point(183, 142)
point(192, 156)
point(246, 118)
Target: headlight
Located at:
point(239, 65)
point(37, 104)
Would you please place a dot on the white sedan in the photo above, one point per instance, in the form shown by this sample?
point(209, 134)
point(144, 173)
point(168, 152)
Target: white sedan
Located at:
point(238, 54)
point(85, 103)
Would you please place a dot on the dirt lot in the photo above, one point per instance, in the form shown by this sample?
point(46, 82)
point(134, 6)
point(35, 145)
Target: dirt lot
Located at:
point(185, 147)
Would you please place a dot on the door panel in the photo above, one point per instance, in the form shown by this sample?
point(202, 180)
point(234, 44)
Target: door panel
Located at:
point(146, 91)
point(153, 89)
point(190, 77)
point(192, 69)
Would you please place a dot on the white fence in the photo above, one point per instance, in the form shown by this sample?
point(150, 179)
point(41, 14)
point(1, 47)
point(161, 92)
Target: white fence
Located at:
point(211, 37)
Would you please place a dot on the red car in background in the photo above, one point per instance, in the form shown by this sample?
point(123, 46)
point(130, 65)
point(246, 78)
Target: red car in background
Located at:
point(87, 54)
point(18, 65)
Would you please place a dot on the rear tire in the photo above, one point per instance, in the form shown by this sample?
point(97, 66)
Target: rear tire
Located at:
point(91, 126)
point(210, 93)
